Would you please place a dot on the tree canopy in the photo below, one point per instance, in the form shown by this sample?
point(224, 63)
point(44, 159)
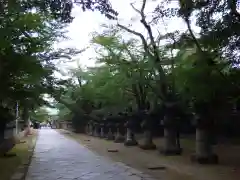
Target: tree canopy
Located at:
point(27, 58)
point(141, 74)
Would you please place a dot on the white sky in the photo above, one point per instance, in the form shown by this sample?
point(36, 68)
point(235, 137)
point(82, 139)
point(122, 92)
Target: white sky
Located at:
point(85, 23)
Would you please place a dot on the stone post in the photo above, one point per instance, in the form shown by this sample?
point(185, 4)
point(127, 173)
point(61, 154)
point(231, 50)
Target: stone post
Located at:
point(130, 136)
point(102, 134)
point(110, 135)
point(119, 137)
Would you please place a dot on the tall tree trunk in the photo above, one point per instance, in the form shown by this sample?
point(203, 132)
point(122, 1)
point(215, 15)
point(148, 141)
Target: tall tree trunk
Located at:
point(102, 132)
point(90, 125)
point(170, 142)
point(171, 146)
point(5, 144)
point(25, 115)
point(148, 136)
point(86, 129)
point(2, 130)
point(1, 136)
point(130, 138)
point(119, 137)
point(96, 130)
point(110, 135)
point(204, 121)
point(204, 153)
point(178, 139)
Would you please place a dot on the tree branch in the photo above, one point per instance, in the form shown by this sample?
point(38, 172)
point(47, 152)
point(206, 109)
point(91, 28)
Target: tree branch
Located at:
point(156, 56)
point(152, 55)
point(148, 28)
point(144, 41)
point(79, 81)
point(233, 7)
point(142, 8)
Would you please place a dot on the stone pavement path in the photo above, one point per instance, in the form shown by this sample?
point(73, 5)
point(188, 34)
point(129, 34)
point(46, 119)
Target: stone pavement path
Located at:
point(59, 158)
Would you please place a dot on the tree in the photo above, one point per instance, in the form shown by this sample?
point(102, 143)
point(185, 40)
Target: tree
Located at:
point(206, 60)
point(26, 56)
point(61, 9)
point(166, 91)
point(139, 74)
point(212, 53)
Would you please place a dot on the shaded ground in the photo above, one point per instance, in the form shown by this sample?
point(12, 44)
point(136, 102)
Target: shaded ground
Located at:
point(10, 164)
point(59, 158)
point(177, 167)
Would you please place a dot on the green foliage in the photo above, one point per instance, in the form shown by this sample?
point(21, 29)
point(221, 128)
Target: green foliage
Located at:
point(61, 10)
point(218, 22)
point(193, 76)
point(139, 74)
point(124, 78)
point(40, 115)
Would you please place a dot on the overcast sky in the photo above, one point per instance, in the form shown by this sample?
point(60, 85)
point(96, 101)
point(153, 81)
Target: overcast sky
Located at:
point(85, 23)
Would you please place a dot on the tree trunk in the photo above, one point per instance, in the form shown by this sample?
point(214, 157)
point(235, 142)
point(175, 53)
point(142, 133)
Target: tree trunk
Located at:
point(204, 153)
point(86, 129)
point(90, 129)
point(178, 139)
point(25, 115)
point(96, 131)
point(119, 137)
point(102, 134)
point(170, 142)
point(2, 130)
point(148, 141)
point(110, 135)
point(1, 136)
point(130, 138)
point(5, 144)
point(203, 146)
point(147, 126)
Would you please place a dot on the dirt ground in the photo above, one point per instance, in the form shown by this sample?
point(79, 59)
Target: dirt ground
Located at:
point(177, 167)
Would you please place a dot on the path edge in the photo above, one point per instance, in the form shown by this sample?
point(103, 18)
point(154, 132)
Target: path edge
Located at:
point(22, 170)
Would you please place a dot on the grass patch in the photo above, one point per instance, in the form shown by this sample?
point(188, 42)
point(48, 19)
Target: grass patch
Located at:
point(10, 164)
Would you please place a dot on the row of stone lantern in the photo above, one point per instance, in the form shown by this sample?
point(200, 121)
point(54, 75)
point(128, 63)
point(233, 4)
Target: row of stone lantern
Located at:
point(113, 131)
point(121, 129)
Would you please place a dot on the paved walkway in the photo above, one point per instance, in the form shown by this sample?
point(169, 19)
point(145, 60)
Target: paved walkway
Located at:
point(59, 158)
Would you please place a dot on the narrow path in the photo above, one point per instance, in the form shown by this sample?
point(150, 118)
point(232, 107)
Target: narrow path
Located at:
point(59, 158)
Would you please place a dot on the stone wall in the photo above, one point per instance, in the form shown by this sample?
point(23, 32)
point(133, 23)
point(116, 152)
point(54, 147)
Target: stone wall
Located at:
point(63, 125)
